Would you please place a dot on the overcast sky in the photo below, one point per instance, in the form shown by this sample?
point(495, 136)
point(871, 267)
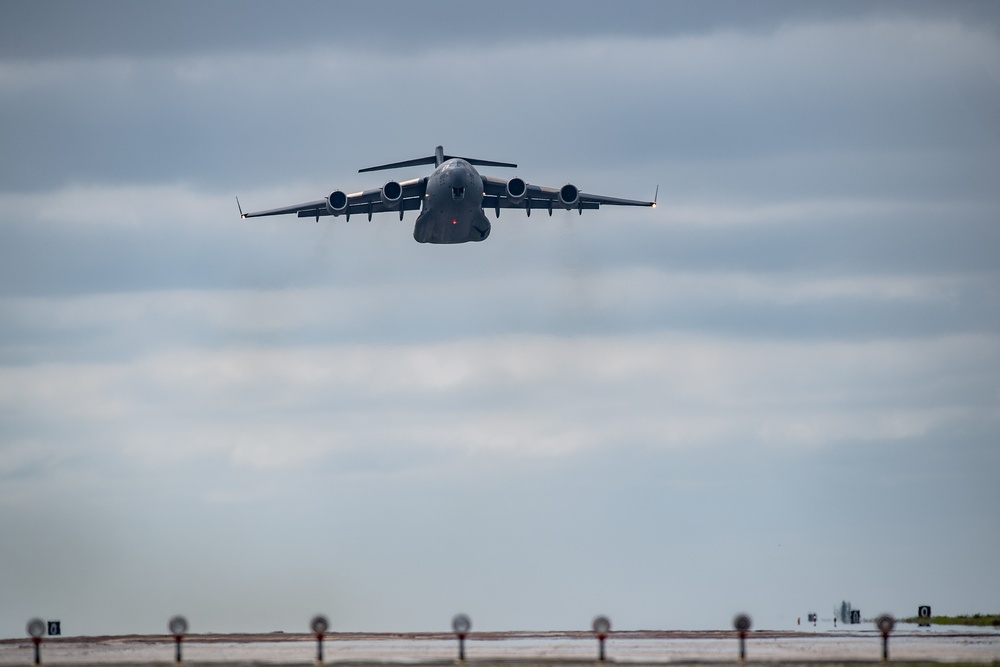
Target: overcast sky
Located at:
point(778, 390)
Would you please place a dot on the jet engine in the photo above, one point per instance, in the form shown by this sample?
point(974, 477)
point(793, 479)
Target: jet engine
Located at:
point(336, 203)
point(569, 195)
point(516, 190)
point(392, 194)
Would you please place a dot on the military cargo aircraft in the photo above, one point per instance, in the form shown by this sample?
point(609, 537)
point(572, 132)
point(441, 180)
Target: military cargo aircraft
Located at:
point(451, 200)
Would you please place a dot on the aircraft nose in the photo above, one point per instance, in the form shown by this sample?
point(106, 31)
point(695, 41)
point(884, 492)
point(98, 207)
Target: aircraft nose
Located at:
point(456, 178)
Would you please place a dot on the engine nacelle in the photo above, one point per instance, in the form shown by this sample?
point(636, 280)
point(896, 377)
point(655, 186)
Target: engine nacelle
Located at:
point(516, 190)
point(569, 195)
point(392, 194)
point(336, 203)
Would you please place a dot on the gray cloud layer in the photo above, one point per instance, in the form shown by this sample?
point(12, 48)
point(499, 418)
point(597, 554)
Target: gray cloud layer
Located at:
point(791, 363)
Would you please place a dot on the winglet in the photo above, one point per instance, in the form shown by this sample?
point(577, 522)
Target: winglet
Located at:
point(656, 195)
point(242, 214)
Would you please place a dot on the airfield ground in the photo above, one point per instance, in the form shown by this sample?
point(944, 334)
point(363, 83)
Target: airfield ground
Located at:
point(519, 649)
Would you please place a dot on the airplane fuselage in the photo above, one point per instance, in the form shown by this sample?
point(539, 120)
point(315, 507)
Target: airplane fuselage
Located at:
point(452, 209)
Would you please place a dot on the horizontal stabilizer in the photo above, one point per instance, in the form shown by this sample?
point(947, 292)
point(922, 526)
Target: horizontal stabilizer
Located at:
point(437, 160)
point(404, 163)
point(485, 163)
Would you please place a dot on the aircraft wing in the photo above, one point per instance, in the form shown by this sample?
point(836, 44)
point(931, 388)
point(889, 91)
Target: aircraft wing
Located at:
point(367, 202)
point(496, 196)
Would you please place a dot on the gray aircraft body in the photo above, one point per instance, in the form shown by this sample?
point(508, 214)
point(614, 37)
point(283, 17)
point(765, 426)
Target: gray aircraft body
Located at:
point(452, 200)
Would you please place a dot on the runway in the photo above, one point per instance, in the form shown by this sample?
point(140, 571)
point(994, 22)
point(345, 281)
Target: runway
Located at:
point(523, 649)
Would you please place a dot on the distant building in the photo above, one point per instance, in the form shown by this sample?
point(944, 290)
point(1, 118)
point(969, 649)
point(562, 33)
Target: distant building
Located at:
point(844, 613)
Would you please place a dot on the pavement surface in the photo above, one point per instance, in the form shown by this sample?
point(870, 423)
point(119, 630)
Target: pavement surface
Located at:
point(523, 649)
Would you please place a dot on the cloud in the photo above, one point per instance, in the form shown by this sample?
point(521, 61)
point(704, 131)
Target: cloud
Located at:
point(242, 26)
point(805, 329)
point(268, 407)
point(255, 116)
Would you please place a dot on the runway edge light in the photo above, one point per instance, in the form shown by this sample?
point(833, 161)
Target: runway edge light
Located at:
point(885, 623)
point(742, 623)
point(601, 626)
point(178, 627)
point(319, 626)
point(461, 624)
point(36, 628)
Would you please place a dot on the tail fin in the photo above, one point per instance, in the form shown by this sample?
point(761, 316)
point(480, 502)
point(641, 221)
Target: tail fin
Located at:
point(437, 160)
